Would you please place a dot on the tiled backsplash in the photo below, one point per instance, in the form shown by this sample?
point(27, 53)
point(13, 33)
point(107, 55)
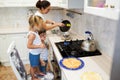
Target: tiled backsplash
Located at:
point(103, 29)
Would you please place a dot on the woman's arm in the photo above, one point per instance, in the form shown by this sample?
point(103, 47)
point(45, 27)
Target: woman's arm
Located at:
point(48, 27)
point(50, 22)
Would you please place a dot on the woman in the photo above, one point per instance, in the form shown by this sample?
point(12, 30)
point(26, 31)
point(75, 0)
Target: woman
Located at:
point(43, 8)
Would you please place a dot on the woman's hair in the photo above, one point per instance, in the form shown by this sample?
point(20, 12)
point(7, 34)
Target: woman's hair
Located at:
point(42, 4)
point(35, 21)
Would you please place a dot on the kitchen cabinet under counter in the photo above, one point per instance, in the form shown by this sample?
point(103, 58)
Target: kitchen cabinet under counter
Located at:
point(6, 37)
point(92, 64)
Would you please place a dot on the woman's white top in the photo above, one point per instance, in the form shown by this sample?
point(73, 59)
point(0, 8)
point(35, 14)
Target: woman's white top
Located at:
point(39, 14)
point(37, 41)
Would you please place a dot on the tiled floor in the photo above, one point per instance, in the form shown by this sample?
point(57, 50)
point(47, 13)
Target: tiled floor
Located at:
point(6, 72)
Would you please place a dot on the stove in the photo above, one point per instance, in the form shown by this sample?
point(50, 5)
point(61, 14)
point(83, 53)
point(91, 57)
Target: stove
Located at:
point(72, 49)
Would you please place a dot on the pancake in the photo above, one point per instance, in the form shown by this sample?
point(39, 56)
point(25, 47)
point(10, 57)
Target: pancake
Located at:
point(90, 76)
point(71, 63)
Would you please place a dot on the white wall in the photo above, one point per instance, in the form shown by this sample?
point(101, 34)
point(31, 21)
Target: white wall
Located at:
point(18, 17)
point(12, 17)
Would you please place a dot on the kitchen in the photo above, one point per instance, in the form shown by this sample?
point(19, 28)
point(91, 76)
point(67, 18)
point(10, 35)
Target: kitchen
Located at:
point(99, 22)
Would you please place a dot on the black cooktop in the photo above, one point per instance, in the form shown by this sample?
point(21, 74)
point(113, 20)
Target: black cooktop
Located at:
point(72, 49)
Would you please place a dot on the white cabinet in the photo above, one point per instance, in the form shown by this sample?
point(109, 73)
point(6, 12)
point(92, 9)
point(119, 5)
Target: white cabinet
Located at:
point(54, 3)
point(21, 44)
point(1, 3)
point(25, 3)
point(3, 51)
point(71, 4)
point(17, 3)
point(105, 8)
point(11, 3)
point(28, 3)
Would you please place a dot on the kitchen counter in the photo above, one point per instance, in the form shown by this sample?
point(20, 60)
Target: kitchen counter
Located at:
point(99, 64)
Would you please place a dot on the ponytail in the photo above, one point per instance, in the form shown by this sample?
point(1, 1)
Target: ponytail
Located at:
point(35, 20)
point(42, 4)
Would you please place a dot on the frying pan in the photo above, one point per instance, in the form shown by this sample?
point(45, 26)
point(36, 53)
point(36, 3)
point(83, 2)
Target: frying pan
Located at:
point(66, 27)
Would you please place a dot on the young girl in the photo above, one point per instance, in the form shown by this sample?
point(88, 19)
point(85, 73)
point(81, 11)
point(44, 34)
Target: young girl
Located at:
point(34, 44)
point(44, 52)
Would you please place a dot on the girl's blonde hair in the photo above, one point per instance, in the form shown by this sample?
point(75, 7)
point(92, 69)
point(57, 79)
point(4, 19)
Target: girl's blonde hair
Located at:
point(35, 22)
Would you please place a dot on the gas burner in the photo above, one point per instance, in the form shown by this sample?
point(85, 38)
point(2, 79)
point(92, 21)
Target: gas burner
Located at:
point(72, 49)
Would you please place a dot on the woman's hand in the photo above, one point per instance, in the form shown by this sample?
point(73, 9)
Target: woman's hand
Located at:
point(60, 24)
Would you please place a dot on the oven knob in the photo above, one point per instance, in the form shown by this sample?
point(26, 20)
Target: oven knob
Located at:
point(66, 43)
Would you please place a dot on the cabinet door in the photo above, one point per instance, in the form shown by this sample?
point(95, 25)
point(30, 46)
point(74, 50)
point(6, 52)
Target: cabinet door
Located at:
point(63, 3)
point(3, 51)
point(21, 44)
point(1, 3)
point(103, 8)
point(28, 3)
point(12, 3)
point(17, 3)
point(115, 4)
point(54, 3)
point(72, 4)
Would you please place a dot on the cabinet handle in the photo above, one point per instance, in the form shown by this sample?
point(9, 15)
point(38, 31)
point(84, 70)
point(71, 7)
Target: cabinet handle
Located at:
point(112, 6)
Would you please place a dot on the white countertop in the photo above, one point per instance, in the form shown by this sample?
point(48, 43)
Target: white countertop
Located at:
point(95, 63)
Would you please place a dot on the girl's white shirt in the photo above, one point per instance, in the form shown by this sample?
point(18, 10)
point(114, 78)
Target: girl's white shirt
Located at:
point(37, 41)
point(37, 13)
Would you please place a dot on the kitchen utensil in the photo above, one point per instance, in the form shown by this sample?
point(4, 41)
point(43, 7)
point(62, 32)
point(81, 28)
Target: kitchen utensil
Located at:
point(66, 36)
point(66, 27)
point(89, 43)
